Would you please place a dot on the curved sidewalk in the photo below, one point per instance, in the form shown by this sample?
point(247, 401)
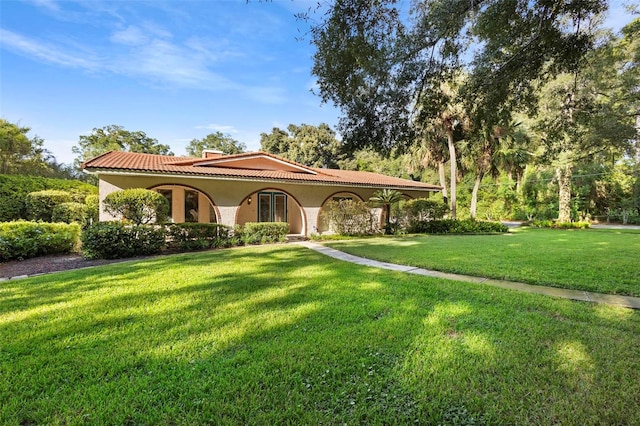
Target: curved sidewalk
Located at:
point(585, 296)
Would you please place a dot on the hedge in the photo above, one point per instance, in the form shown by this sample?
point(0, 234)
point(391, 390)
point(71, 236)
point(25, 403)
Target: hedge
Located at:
point(40, 204)
point(71, 212)
point(262, 232)
point(415, 212)
point(450, 226)
point(114, 240)
point(197, 236)
point(23, 240)
point(14, 190)
point(559, 225)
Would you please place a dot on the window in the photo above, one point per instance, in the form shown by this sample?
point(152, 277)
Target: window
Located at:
point(168, 194)
point(272, 207)
point(190, 206)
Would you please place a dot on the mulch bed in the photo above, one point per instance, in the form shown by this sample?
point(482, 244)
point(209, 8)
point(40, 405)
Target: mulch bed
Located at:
point(45, 264)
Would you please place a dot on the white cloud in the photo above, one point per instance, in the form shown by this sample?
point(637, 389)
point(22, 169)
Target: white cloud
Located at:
point(131, 36)
point(219, 128)
point(50, 5)
point(47, 52)
point(152, 59)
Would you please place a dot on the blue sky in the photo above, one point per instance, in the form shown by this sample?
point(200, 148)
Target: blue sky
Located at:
point(177, 70)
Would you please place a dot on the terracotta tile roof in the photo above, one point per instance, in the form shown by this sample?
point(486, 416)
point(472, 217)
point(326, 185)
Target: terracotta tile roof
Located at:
point(130, 162)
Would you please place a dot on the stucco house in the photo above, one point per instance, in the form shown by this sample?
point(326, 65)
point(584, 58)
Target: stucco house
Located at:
point(248, 187)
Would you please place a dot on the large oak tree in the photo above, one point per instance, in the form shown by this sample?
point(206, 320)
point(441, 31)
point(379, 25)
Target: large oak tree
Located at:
point(384, 65)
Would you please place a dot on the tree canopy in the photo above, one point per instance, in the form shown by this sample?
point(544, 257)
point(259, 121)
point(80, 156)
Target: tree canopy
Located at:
point(115, 137)
point(382, 64)
point(457, 71)
point(315, 146)
point(215, 141)
point(21, 154)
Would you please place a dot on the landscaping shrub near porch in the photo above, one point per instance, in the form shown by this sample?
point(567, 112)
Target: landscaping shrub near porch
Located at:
point(261, 232)
point(197, 236)
point(23, 240)
point(114, 240)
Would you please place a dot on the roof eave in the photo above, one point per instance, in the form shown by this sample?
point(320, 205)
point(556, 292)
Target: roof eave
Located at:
point(130, 172)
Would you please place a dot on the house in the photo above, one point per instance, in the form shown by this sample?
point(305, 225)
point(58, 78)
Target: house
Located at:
point(248, 187)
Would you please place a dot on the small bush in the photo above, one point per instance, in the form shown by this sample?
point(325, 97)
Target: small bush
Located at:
point(114, 240)
point(93, 208)
point(22, 240)
point(559, 225)
point(40, 204)
point(70, 212)
point(449, 226)
point(140, 206)
point(197, 236)
point(414, 212)
point(350, 217)
point(262, 232)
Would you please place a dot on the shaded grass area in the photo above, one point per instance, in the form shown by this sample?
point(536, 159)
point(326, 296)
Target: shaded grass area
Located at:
point(604, 261)
point(284, 335)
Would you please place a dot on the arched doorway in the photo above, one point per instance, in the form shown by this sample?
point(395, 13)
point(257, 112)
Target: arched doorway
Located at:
point(323, 226)
point(187, 204)
point(272, 205)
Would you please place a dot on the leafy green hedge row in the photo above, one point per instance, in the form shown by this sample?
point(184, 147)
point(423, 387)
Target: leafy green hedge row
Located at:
point(261, 232)
point(23, 240)
point(14, 190)
point(559, 225)
point(113, 240)
point(449, 226)
point(198, 236)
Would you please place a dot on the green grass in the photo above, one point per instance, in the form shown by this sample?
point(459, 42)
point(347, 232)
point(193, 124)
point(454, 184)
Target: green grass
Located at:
point(284, 335)
point(605, 261)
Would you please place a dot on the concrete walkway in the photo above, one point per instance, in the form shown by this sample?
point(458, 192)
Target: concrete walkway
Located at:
point(585, 296)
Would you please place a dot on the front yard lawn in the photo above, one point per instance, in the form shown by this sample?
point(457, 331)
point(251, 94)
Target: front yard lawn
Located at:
point(603, 261)
point(284, 335)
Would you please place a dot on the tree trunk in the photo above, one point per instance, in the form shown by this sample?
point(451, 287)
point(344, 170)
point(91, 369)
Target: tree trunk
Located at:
point(454, 172)
point(474, 195)
point(563, 174)
point(519, 177)
point(443, 182)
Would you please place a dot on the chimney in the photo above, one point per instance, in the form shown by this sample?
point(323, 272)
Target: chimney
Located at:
point(211, 153)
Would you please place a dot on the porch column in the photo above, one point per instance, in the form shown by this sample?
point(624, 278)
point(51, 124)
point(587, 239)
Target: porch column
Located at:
point(228, 215)
point(312, 220)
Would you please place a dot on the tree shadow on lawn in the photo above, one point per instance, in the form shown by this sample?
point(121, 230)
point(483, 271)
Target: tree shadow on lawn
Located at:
point(285, 335)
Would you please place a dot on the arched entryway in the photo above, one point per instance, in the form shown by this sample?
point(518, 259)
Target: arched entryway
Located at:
point(272, 205)
point(188, 204)
point(323, 226)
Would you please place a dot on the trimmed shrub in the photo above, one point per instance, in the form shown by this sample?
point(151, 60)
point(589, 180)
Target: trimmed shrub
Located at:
point(350, 217)
point(14, 190)
point(40, 204)
point(115, 240)
point(262, 232)
point(93, 208)
point(140, 206)
point(449, 226)
point(559, 225)
point(197, 236)
point(22, 240)
point(414, 212)
point(70, 212)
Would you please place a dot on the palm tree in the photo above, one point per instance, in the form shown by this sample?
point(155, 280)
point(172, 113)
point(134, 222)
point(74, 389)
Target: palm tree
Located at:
point(385, 198)
point(431, 152)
